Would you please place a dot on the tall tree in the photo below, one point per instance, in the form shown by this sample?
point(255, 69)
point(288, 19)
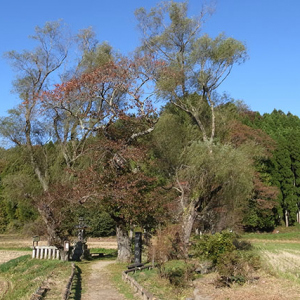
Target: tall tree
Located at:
point(103, 89)
point(193, 67)
point(34, 69)
point(284, 170)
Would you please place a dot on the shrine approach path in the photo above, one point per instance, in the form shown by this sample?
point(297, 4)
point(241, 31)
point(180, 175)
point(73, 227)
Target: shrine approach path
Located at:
point(98, 285)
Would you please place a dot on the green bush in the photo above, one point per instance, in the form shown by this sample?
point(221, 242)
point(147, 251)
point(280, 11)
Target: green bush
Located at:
point(178, 272)
point(230, 256)
point(212, 246)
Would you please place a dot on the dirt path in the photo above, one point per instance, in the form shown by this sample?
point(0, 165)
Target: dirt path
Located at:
point(98, 286)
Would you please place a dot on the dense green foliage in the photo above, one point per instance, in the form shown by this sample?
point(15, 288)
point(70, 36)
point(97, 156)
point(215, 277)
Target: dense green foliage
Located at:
point(284, 165)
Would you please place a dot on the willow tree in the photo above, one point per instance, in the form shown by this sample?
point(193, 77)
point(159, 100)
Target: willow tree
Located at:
point(34, 69)
point(193, 68)
point(195, 64)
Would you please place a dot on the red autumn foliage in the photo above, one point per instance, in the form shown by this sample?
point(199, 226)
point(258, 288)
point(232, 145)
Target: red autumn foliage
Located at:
point(239, 134)
point(264, 195)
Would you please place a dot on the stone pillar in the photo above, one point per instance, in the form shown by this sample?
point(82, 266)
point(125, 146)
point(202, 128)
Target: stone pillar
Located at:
point(57, 254)
point(138, 248)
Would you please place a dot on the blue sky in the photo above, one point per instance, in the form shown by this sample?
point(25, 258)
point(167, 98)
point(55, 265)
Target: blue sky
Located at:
point(269, 28)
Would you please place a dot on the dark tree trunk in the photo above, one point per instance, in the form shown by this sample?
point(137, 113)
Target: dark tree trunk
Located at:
point(54, 238)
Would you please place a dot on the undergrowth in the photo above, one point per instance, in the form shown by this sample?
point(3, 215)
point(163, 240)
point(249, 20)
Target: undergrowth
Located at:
point(162, 287)
point(232, 257)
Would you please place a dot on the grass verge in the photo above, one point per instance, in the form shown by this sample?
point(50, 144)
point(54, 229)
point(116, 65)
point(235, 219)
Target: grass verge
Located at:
point(16, 249)
point(161, 287)
point(115, 271)
point(25, 275)
point(291, 233)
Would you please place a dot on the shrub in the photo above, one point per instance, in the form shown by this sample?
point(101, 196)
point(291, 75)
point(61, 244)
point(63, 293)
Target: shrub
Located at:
point(101, 224)
point(230, 256)
point(212, 246)
point(168, 246)
point(237, 266)
point(178, 272)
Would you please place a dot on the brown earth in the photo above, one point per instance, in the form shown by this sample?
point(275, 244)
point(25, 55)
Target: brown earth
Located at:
point(16, 241)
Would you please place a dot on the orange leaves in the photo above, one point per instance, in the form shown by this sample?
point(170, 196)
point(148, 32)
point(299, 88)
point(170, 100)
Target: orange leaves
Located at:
point(240, 133)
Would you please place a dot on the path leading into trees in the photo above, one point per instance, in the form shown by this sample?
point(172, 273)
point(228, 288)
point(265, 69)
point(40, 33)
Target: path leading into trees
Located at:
point(99, 285)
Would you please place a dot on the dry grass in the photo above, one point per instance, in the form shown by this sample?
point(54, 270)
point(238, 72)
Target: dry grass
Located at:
point(278, 279)
point(267, 287)
point(107, 243)
point(283, 261)
point(14, 241)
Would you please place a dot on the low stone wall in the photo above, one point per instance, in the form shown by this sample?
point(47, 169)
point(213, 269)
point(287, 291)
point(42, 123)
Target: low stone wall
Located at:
point(144, 294)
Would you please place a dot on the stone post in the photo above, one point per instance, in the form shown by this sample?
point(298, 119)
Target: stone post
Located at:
point(138, 248)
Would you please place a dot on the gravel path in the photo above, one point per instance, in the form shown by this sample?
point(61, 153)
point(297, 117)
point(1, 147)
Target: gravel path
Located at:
point(98, 286)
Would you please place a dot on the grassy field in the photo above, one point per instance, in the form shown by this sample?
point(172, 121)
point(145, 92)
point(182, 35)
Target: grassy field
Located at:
point(281, 258)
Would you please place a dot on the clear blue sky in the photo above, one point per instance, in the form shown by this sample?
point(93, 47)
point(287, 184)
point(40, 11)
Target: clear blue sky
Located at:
point(270, 29)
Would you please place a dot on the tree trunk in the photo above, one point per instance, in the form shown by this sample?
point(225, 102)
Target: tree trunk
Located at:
point(188, 219)
point(124, 244)
point(53, 237)
point(286, 214)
